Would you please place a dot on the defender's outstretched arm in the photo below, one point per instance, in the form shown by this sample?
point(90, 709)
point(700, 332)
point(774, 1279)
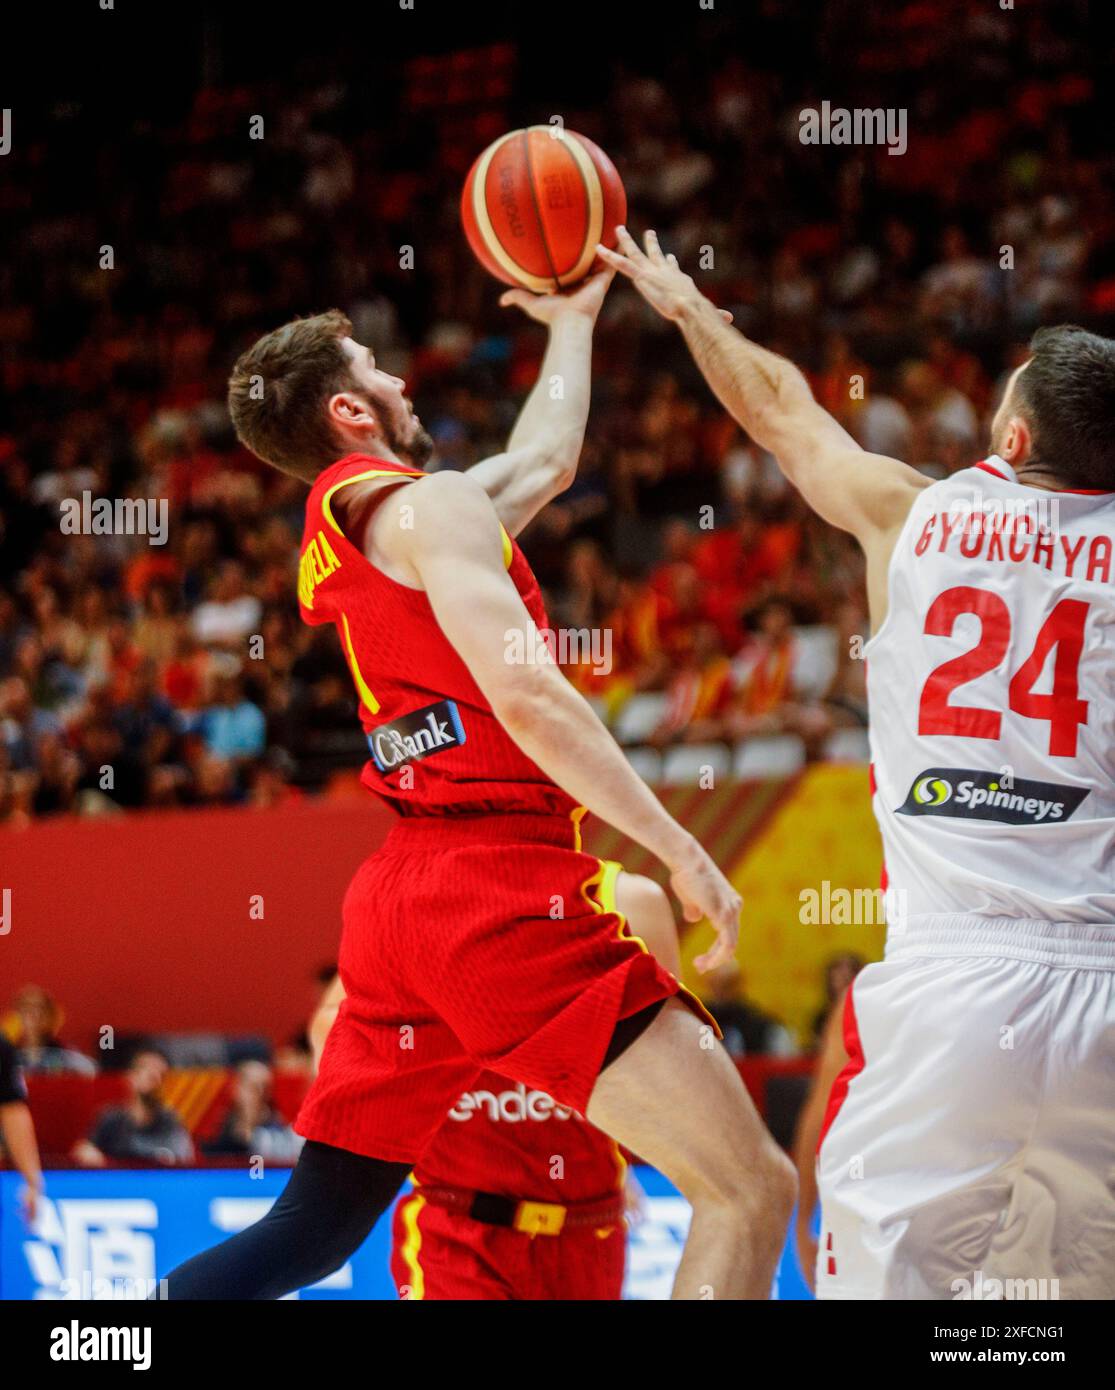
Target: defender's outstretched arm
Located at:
point(542, 452)
point(866, 494)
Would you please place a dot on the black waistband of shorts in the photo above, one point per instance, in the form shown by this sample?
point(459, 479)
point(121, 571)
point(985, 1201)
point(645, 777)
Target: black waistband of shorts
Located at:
point(431, 833)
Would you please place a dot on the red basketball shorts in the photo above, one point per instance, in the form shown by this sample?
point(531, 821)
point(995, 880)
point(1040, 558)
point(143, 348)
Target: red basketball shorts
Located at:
point(442, 1254)
point(472, 943)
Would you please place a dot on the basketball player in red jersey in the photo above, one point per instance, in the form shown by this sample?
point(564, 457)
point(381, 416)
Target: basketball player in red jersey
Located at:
point(475, 937)
point(516, 1196)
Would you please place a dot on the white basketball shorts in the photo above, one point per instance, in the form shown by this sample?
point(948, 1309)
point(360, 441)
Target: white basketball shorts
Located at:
point(969, 1148)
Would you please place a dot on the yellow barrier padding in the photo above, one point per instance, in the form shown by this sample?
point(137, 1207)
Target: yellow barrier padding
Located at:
point(821, 842)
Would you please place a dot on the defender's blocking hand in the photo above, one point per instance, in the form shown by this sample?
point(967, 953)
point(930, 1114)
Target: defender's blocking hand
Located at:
point(657, 277)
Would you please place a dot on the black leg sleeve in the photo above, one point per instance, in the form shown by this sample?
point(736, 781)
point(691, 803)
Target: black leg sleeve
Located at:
point(324, 1213)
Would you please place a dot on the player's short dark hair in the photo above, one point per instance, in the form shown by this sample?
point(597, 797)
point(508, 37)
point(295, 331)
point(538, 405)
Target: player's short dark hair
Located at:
point(1067, 394)
point(278, 389)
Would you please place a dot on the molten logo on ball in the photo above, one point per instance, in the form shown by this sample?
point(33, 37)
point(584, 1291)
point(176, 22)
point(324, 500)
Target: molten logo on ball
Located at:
point(534, 208)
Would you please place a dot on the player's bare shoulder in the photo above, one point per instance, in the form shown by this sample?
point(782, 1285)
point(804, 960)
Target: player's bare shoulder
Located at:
point(881, 493)
point(880, 489)
point(442, 513)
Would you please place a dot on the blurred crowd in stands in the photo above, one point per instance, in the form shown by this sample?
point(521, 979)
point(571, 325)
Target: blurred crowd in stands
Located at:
point(142, 258)
point(153, 1119)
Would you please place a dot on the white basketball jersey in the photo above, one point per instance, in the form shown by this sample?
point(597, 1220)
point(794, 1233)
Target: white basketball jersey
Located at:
point(992, 695)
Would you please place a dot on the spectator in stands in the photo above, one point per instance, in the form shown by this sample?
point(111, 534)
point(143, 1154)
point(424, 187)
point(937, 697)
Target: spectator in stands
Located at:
point(57, 775)
point(143, 1129)
point(768, 700)
point(846, 696)
point(698, 694)
point(960, 289)
point(233, 727)
point(945, 423)
point(253, 1127)
point(37, 1020)
point(231, 614)
point(747, 1030)
point(840, 971)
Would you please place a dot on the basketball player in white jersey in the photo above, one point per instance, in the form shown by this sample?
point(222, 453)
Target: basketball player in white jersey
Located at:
point(969, 1149)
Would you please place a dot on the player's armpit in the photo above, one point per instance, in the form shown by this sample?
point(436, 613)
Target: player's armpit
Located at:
point(455, 547)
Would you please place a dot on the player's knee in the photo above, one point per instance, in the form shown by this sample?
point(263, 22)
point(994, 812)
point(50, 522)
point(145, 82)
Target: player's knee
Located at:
point(764, 1185)
point(649, 916)
point(780, 1180)
point(643, 893)
point(643, 903)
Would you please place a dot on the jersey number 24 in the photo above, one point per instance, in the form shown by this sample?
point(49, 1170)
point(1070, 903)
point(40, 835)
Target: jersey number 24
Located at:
point(1063, 709)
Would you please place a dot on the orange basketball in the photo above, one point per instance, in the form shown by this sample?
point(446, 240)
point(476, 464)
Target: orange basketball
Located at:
point(536, 203)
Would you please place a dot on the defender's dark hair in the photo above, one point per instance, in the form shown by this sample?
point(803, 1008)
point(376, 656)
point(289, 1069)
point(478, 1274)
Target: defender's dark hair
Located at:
point(1067, 394)
point(278, 389)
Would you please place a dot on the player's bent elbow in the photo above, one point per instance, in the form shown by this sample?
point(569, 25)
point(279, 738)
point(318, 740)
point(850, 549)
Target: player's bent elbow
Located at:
point(563, 474)
point(558, 462)
point(525, 700)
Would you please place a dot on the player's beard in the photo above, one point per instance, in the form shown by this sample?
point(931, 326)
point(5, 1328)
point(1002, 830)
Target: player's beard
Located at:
point(410, 441)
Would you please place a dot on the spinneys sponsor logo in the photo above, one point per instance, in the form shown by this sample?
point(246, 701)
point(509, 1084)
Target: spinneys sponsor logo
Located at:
point(931, 791)
point(967, 793)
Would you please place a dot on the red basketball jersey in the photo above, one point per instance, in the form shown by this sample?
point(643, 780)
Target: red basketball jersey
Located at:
point(504, 1137)
point(436, 746)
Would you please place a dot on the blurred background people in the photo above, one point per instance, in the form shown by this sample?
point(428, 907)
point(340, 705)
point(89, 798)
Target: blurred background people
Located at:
point(33, 1026)
point(143, 1129)
point(252, 1126)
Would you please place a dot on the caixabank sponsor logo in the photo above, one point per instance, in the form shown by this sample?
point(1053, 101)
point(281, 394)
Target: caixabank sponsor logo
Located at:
point(418, 735)
point(969, 794)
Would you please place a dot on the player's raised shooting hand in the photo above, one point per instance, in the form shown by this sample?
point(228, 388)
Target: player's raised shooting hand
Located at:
point(657, 277)
point(585, 299)
point(703, 891)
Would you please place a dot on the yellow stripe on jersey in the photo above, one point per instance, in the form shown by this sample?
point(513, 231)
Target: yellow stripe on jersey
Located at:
point(326, 501)
point(367, 699)
point(327, 509)
point(604, 881)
